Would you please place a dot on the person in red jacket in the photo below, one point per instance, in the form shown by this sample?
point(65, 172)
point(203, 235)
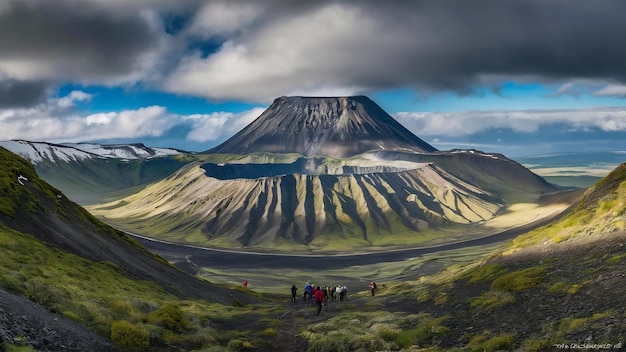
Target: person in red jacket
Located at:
point(319, 299)
point(373, 287)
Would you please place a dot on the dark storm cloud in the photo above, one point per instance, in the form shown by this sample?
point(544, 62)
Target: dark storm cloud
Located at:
point(257, 50)
point(67, 40)
point(459, 43)
point(22, 93)
point(430, 45)
point(94, 41)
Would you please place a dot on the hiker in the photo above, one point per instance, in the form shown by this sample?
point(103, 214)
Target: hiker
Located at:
point(344, 291)
point(319, 299)
point(325, 293)
point(294, 290)
point(245, 283)
point(341, 292)
point(373, 287)
point(308, 291)
point(333, 293)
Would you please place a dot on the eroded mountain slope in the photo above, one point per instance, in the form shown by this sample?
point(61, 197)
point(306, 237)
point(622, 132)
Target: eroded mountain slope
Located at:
point(316, 202)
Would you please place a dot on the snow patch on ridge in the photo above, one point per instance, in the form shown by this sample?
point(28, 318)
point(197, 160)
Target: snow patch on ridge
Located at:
point(37, 152)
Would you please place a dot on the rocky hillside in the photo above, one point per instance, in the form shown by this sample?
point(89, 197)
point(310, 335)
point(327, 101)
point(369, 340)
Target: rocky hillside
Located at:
point(560, 285)
point(331, 126)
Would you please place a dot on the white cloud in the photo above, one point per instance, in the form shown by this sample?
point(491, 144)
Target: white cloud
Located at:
point(612, 91)
point(219, 125)
point(71, 99)
point(56, 121)
point(463, 123)
point(223, 17)
point(300, 55)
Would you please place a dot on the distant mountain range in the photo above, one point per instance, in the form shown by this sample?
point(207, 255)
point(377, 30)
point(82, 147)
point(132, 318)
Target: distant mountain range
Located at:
point(89, 173)
point(37, 152)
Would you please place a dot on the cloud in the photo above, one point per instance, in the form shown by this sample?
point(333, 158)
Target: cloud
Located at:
point(612, 91)
point(57, 120)
point(223, 18)
point(465, 123)
point(259, 50)
point(14, 93)
point(281, 47)
point(48, 43)
point(219, 125)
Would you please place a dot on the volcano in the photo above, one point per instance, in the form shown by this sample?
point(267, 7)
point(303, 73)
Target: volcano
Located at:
point(338, 127)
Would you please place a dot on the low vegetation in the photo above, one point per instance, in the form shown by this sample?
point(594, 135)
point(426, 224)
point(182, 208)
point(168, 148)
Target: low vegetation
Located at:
point(137, 315)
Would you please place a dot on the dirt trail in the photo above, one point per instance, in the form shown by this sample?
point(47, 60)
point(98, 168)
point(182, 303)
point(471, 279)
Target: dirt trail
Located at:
point(302, 314)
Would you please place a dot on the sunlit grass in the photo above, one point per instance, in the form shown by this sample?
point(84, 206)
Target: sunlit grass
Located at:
point(100, 296)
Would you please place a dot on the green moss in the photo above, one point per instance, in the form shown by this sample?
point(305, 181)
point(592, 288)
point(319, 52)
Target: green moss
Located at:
point(519, 280)
point(569, 325)
point(13, 348)
point(425, 332)
point(485, 272)
point(564, 287)
point(616, 259)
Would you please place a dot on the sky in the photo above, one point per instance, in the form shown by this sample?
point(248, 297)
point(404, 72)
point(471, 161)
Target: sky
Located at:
point(518, 77)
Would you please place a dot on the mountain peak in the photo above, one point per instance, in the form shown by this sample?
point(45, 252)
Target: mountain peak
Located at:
point(328, 126)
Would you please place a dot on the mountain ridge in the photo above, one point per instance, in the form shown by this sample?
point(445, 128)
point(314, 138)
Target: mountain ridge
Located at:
point(88, 173)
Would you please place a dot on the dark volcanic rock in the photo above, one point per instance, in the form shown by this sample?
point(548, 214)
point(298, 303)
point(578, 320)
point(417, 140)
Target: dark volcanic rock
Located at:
point(337, 127)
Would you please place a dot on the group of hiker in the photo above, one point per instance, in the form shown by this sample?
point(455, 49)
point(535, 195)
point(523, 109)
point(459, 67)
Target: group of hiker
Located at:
point(321, 294)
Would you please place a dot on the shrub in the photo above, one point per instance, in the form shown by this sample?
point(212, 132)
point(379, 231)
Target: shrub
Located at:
point(330, 343)
point(492, 299)
point(171, 317)
point(240, 345)
point(388, 335)
point(129, 336)
point(11, 284)
point(37, 291)
point(143, 306)
point(485, 343)
point(536, 345)
point(502, 342)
